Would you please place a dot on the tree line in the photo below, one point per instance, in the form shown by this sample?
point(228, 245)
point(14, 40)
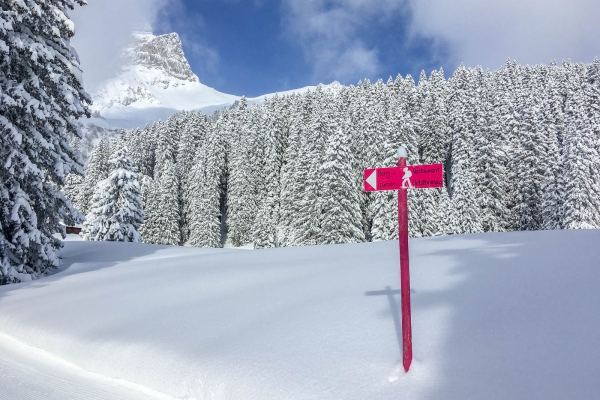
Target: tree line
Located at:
point(520, 147)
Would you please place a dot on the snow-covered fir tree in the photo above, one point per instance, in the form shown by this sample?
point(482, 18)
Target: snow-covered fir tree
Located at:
point(274, 137)
point(97, 169)
point(581, 208)
point(42, 97)
point(306, 225)
point(490, 160)
point(73, 181)
point(241, 179)
point(341, 220)
point(205, 214)
point(554, 114)
point(463, 121)
point(162, 213)
point(116, 213)
point(192, 141)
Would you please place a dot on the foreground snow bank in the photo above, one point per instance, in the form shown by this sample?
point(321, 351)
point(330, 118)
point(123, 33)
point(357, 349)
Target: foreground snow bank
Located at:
point(495, 316)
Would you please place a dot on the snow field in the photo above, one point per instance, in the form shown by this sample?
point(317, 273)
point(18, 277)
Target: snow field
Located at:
point(495, 316)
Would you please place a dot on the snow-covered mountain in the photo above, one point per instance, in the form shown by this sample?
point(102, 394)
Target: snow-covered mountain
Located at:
point(154, 81)
point(155, 74)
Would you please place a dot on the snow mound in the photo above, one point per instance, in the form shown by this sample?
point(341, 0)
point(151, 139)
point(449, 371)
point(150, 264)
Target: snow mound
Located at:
point(495, 316)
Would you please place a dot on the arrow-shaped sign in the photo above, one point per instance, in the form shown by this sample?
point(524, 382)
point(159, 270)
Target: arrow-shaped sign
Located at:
point(372, 180)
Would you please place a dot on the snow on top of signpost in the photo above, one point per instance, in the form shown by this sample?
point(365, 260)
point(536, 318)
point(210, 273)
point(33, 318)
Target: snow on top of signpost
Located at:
point(402, 153)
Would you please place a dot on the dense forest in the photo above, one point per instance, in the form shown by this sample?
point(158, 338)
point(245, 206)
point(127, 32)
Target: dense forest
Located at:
point(520, 146)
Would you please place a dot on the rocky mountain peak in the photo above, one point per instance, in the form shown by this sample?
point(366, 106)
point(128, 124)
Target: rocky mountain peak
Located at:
point(163, 53)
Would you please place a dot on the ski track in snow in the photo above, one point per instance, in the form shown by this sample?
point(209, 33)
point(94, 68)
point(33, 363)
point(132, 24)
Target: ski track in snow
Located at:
point(30, 373)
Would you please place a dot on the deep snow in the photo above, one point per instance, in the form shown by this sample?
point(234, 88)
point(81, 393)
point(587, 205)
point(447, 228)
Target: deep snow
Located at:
point(495, 316)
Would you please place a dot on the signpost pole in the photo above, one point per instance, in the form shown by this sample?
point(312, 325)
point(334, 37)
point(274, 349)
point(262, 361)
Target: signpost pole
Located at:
point(401, 178)
point(404, 270)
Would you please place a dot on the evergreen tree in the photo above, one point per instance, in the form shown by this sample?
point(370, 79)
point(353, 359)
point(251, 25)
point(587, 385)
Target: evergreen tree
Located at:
point(581, 209)
point(134, 144)
point(291, 186)
point(148, 147)
point(463, 116)
point(306, 223)
point(241, 184)
point(508, 116)
point(192, 140)
point(117, 209)
point(73, 180)
point(490, 160)
point(72, 189)
point(146, 184)
point(205, 225)
point(42, 97)
point(162, 213)
point(119, 144)
point(274, 137)
point(97, 170)
point(530, 154)
point(205, 194)
point(341, 220)
point(554, 110)
point(166, 143)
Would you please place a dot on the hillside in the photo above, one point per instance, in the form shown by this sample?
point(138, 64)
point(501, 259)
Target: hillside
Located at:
point(495, 316)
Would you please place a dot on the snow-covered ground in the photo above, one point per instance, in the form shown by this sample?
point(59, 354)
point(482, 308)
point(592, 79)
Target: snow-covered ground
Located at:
point(495, 316)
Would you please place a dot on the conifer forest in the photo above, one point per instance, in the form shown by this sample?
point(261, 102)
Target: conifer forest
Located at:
point(520, 148)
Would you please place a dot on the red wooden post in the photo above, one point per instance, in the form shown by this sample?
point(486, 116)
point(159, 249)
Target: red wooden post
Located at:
point(404, 271)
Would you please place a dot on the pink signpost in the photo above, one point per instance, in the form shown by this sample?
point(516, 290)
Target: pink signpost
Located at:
point(401, 178)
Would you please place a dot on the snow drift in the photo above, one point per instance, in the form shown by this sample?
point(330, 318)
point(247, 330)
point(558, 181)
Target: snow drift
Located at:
point(495, 316)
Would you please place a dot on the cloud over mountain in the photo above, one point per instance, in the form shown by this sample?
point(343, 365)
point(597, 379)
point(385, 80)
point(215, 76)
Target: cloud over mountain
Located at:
point(104, 27)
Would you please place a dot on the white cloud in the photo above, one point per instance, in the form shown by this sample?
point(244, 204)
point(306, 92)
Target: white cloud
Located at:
point(476, 32)
point(487, 32)
point(328, 32)
point(103, 27)
point(355, 59)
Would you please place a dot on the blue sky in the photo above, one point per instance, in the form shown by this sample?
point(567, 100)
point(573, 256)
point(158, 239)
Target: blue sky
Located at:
point(253, 52)
point(253, 47)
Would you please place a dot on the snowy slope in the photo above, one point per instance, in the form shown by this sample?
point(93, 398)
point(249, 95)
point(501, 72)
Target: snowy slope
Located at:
point(495, 316)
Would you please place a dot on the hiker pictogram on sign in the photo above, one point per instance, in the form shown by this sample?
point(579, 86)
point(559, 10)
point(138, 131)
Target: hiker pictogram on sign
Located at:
point(406, 179)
